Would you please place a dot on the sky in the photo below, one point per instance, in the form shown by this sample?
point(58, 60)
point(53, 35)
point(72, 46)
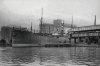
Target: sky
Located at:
point(23, 12)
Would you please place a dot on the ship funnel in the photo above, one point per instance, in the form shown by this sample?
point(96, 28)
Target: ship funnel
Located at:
point(41, 21)
point(95, 21)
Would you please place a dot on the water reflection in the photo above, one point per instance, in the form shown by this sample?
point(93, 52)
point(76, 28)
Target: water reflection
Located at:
point(36, 56)
point(85, 55)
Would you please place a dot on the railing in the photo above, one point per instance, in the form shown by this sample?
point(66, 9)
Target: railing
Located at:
point(85, 34)
point(85, 28)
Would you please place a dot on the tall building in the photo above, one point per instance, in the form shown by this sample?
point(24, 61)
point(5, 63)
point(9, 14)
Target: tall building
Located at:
point(47, 28)
point(57, 27)
point(57, 22)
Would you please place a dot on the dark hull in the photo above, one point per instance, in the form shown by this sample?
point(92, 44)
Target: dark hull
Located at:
point(27, 38)
point(24, 38)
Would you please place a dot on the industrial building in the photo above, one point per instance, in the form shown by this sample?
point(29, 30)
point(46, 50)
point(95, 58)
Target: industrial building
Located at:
point(56, 27)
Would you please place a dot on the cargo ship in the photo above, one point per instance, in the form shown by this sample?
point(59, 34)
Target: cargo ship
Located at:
point(22, 37)
point(26, 38)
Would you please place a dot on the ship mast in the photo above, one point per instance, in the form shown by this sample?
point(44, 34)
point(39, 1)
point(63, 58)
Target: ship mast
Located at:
point(41, 21)
point(95, 21)
point(62, 27)
point(31, 26)
point(72, 22)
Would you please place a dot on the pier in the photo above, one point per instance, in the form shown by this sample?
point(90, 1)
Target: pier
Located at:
point(85, 34)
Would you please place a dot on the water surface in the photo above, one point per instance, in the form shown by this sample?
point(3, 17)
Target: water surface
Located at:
point(36, 56)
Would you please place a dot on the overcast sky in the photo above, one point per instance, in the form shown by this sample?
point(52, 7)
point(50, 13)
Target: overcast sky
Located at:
point(23, 12)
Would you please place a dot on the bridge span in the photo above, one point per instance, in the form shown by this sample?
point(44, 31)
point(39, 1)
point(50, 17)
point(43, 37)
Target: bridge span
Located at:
point(85, 34)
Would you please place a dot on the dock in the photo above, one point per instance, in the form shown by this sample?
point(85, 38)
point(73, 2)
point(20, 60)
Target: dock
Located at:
point(85, 34)
point(58, 45)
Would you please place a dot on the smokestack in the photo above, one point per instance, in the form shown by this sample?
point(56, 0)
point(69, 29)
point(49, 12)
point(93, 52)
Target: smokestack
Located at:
point(95, 21)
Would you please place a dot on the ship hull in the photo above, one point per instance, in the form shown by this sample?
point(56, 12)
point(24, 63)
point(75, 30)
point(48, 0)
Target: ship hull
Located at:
point(25, 45)
point(43, 41)
point(29, 39)
point(24, 38)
